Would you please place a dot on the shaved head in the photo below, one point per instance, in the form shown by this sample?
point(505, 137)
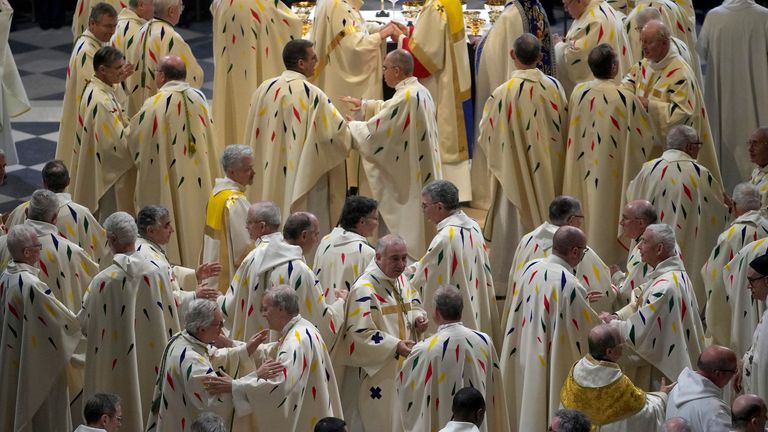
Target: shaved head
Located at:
point(568, 237)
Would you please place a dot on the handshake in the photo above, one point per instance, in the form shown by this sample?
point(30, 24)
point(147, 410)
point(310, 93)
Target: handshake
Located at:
point(393, 31)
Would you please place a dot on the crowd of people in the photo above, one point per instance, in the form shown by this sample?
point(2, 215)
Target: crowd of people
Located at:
point(298, 256)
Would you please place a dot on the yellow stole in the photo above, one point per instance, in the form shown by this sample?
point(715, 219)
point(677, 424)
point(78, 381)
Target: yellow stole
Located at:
point(214, 214)
point(603, 405)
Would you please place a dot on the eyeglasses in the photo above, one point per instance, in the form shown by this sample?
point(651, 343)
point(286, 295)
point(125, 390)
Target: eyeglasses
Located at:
point(627, 218)
point(425, 205)
point(753, 280)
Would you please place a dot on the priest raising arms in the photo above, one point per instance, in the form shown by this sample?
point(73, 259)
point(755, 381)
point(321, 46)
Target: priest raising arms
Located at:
point(299, 141)
point(399, 148)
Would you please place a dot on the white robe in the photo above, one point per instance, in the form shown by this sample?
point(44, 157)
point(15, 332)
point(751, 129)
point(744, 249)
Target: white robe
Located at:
point(340, 258)
point(756, 361)
point(699, 401)
point(13, 97)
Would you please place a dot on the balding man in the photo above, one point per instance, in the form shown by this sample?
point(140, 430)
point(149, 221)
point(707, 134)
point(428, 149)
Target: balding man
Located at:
point(383, 319)
point(748, 225)
point(676, 424)
point(525, 147)
point(472, 351)
point(697, 397)
point(608, 142)
point(748, 414)
point(299, 140)
point(755, 360)
point(129, 21)
point(226, 239)
point(687, 196)
point(758, 155)
point(597, 386)
point(74, 221)
point(667, 89)
point(397, 165)
point(132, 301)
point(661, 324)
point(102, 19)
point(39, 336)
point(591, 271)
point(175, 155)
point(102, 170)
point(155, 40)
point(594, 22)
point(546, 332)
point(277, 259)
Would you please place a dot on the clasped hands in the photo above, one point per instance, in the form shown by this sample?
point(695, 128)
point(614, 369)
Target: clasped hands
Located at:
point(393, 31)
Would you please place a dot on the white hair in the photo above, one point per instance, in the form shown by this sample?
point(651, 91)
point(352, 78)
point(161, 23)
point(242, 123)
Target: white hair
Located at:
point(43, 206)
point(208, 422)
point(267, 212)
point(285, 297)
point(680, 136)
point(200, 315)
point(233, 156)
point(161, 7)
point(664, 234)
point(645, 15)
point(746, 197)
point(123, 227)
point(387, 241)
point(19, 238)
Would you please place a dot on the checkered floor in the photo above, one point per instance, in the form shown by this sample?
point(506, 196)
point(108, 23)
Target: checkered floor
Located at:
point(41, 57)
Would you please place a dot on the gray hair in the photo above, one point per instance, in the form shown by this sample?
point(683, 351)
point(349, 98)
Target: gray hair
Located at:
point(449, 302)
point(267, 212)
point(200, 315)
point(680, 136)
point(19, 238)
point(162, 6)
point(98, 405)
point(402, 59)
point(444, 192)
point(122, 226)
point(101, 9)
point(645, 15)
point(664, 234)
point(573, 421)
point(562, 208)
point(747, 197)
point(150, 216)
point(285, 297)
point(208, 422)
point(43, 206)
point(233, 156)
point(387, 241)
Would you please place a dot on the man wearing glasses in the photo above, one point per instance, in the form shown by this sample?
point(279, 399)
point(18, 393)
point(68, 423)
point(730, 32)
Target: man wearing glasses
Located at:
point(755, 361)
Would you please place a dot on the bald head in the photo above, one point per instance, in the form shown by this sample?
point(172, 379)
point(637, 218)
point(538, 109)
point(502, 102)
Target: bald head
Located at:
point(171, 68)
point(569, 243)
point(676, 424)
point(718, 364)
point(646, 15)
point(655, 40)
point(748, 413)
point(527, 50)
point(402, 59)
point(656, 29)
point(602, 339)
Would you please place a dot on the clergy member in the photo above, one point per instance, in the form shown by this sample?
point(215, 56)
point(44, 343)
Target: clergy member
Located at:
point(74, 221)
point(662, 324)
point(758, 155)
point(225, 236)
point(83, 9)
point(101, 27)
point(609, 139)
point(735, 88)
point(698, 395)
point(157, 39)
point(13, 100)
point(754, 367)
point(39, 337)
point(457, 256)
point(642, 17)
point(175, 154)
point(667, 89)
point(132, 302)
point(64, 266)
point(748, 414)
point(384, 318)
point(468, 409)
point(398, 144)
point(248, 39)
point(687, 197)
point(594, 22)
point(102, 168)
point(344, 254)
point(299, 140)
point(102, 412)
point(546, 332)
point(437, 43)
point(591, 271)
point(749, 224)
point(522, 133)
point(429, 377)
point(129, 21)
point(597, 386)
point(493, 70)
point(304, 390)
point(188, 359)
